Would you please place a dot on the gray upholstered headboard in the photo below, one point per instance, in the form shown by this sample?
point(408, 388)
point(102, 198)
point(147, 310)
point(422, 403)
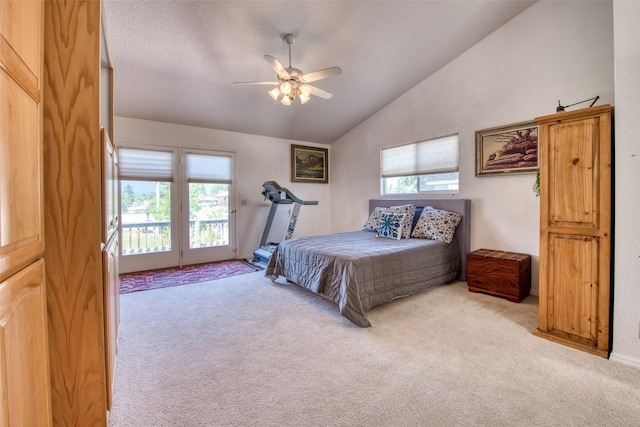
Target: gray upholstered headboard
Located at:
point(461, 206)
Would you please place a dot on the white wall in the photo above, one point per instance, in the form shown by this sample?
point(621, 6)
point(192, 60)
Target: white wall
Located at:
point(552, 51)
point(626, 313)
point(258, 159)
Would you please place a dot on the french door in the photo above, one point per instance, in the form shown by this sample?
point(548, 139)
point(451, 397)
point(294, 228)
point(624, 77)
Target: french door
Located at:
point(177, 206)
point(207, 207)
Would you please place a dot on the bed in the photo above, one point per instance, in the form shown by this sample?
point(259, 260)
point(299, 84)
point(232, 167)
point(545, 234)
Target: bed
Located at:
point(358, 270)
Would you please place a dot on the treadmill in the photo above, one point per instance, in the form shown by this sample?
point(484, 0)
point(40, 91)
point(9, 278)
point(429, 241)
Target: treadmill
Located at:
point(277, 195)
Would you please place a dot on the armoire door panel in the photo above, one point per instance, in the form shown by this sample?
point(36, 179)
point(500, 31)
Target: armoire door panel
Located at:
point(111, 309)
point(13, 65)
point(110, 186)
point(20, 43)
point(573, 285)
point(573, 196)
point(21, 221)
point(25, 392)
point(20, 28)
point(24, 361)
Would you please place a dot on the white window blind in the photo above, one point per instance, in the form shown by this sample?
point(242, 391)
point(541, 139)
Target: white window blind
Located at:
point(439, 155)
point(145, 165)
point(202, 168)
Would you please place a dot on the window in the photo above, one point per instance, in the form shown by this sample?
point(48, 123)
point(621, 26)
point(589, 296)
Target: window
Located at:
point(421, 167)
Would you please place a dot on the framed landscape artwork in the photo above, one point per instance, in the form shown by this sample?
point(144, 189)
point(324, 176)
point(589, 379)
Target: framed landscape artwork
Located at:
point(507, 149)
point(309, 164)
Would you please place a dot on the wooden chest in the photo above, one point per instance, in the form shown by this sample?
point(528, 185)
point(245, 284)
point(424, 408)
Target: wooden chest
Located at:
point(504, 274)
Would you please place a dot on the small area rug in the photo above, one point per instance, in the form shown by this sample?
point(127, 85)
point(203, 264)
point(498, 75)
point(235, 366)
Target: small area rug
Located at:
point(162, 278)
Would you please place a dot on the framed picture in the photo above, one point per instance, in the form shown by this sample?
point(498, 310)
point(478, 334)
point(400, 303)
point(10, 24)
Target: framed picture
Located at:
point(309, 164)
point(508, 149)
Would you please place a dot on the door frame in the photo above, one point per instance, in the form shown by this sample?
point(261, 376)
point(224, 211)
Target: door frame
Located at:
point(154, 260)
point(190, 256)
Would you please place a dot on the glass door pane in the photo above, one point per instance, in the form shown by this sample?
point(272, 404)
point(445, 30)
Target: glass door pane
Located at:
point(146, 217)
point(208, 206)
point(208, 215)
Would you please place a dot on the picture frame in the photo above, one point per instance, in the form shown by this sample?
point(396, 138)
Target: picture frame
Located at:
point(511, 149)
point(309, 164)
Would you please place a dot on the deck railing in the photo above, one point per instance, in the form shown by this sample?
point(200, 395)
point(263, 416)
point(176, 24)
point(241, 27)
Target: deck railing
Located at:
point(155, 236)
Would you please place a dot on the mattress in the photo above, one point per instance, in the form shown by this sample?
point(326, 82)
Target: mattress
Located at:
point(358, 270)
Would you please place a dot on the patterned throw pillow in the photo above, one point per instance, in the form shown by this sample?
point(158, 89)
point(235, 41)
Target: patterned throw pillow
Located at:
point(391, 225)
point(373, 222)
point(409, 211)
point(436, 224)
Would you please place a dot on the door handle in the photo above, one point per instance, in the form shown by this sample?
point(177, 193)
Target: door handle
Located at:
point(232, 211)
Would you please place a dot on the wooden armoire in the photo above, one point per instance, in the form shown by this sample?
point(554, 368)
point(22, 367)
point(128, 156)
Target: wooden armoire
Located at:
point(24, 359)
point(81, 215)
point(59, 306)
point(575, 228)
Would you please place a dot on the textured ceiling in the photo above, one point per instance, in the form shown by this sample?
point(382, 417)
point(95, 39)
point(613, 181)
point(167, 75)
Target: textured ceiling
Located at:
point(176, 61)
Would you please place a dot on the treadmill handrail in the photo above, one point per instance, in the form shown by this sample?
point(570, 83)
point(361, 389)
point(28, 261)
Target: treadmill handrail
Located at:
point(273, 191)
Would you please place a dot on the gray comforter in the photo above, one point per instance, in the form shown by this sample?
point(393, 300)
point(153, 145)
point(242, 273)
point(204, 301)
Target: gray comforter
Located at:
point(358, 270)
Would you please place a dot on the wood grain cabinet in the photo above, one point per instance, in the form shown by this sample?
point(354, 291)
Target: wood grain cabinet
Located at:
point(81, 221)
point(110, 254)
point(111, 282)
point(575, 228)
point(24, 358)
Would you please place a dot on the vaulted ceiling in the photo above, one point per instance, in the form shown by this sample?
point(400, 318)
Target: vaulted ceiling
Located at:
point(176, 61)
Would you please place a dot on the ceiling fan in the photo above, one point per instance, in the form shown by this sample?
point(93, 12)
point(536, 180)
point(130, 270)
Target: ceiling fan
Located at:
point(292, 83)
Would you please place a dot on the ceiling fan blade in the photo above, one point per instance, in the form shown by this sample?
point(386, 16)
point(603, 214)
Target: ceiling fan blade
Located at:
point(320, 93)
point(321, 74)
point(277, 66)
point(256, 83)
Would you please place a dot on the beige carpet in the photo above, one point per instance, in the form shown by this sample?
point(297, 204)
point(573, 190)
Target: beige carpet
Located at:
point(243, 351)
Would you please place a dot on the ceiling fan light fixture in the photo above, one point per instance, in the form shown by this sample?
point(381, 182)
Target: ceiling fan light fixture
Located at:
point(305, 90)
point(274, 93)
point(286, 88)
point(292, 83)
point(304, 98)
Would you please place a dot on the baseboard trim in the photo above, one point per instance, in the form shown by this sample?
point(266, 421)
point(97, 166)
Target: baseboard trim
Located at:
point(623, 360)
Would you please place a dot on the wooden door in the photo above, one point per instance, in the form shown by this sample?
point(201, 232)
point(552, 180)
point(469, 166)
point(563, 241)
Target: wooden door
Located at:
point(111, 309)
point(575, 228)
point(21, 199)
point(25, 396)
point(24, 361)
